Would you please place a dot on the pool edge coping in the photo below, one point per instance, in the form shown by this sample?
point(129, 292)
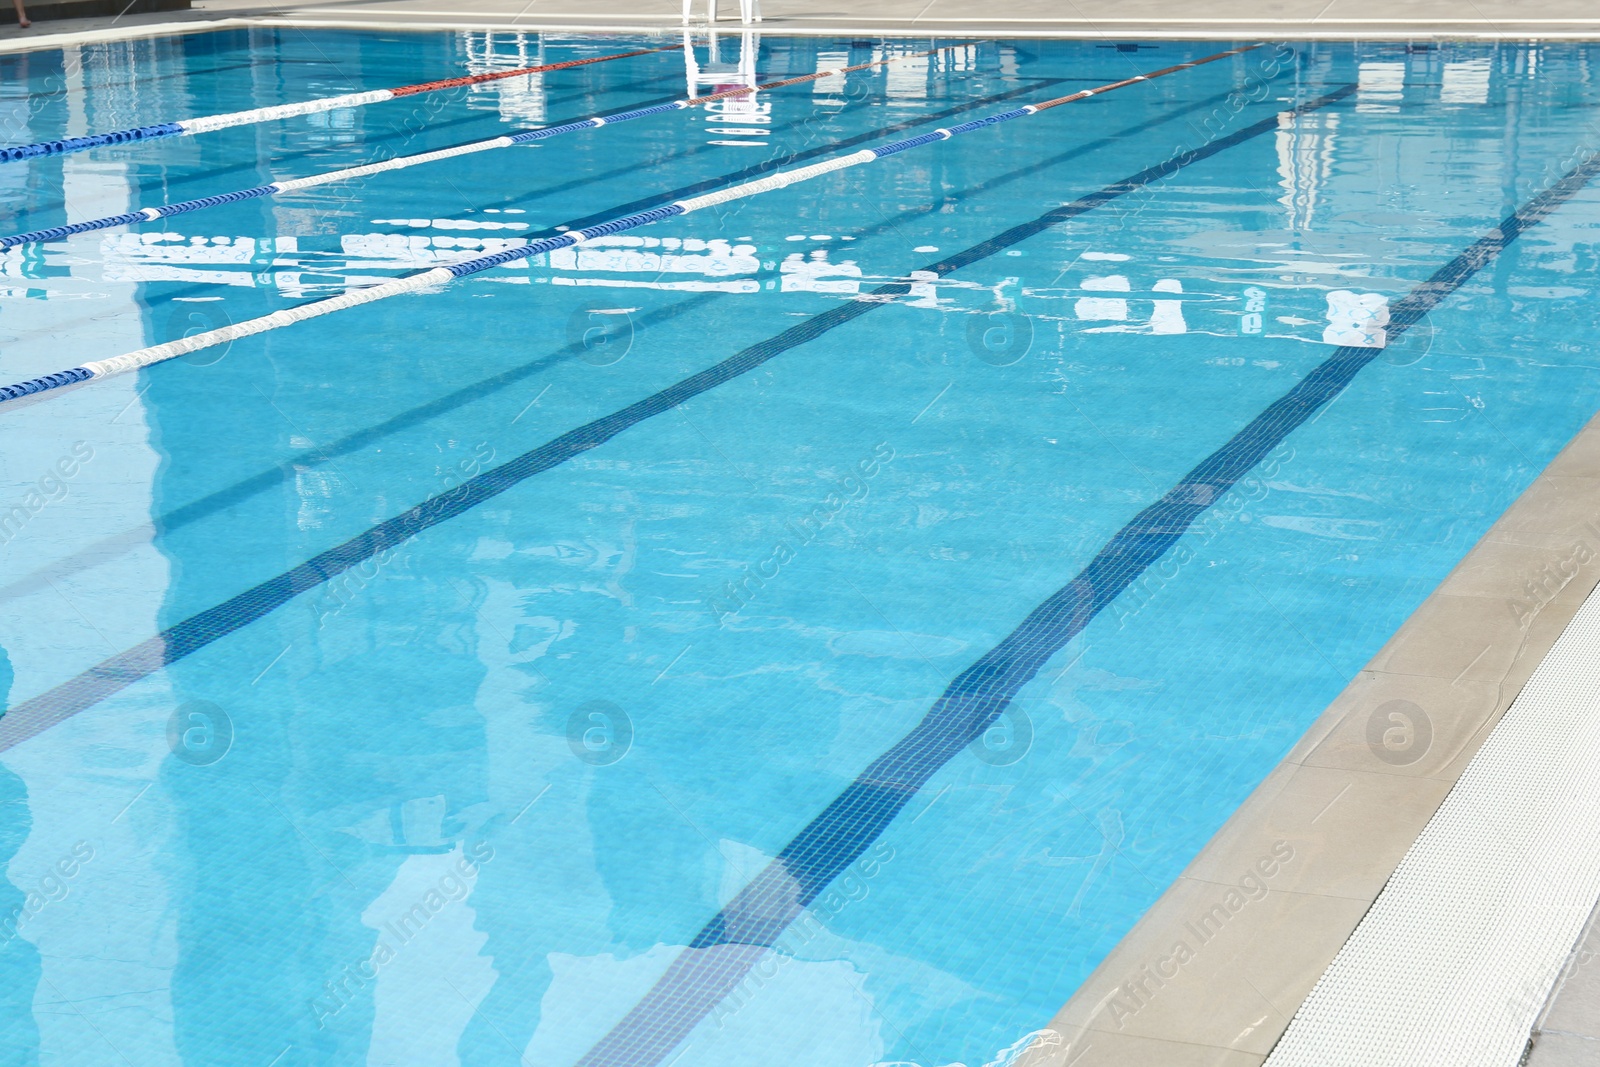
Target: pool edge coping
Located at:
point(67, 38)
point(1467, 30)
point(1228, 1000)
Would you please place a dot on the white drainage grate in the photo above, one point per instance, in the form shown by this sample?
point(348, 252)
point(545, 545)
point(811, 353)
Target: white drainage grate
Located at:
point(1453, 962)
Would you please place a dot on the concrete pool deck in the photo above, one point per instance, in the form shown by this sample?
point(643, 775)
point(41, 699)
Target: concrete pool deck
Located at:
point(1122, 19)
point(1321, 836)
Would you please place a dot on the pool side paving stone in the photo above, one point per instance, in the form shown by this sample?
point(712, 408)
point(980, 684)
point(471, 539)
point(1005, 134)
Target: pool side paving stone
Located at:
point(1111, 19)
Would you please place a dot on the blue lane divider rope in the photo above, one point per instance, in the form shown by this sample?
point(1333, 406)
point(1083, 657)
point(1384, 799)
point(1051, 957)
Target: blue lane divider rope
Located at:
point(146, 357)
point(153, 214)
point(186, 127)
point(94, 140)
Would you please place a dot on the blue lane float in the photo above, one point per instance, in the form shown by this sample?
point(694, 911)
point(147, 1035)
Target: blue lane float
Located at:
point(208, 123)
point(146, 357)
point(95, 140)
point(154, 214)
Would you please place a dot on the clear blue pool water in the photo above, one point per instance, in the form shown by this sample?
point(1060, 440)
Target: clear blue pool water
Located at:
point(467, 802)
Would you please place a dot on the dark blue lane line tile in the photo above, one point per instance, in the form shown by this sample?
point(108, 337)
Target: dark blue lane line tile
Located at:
point(723, 952)
point(33, 716)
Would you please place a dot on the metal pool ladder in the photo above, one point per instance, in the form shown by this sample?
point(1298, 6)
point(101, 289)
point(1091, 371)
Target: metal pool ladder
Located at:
point(749, 11)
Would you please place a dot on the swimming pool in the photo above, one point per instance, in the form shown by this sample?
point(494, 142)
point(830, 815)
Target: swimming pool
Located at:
point(471, 799)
